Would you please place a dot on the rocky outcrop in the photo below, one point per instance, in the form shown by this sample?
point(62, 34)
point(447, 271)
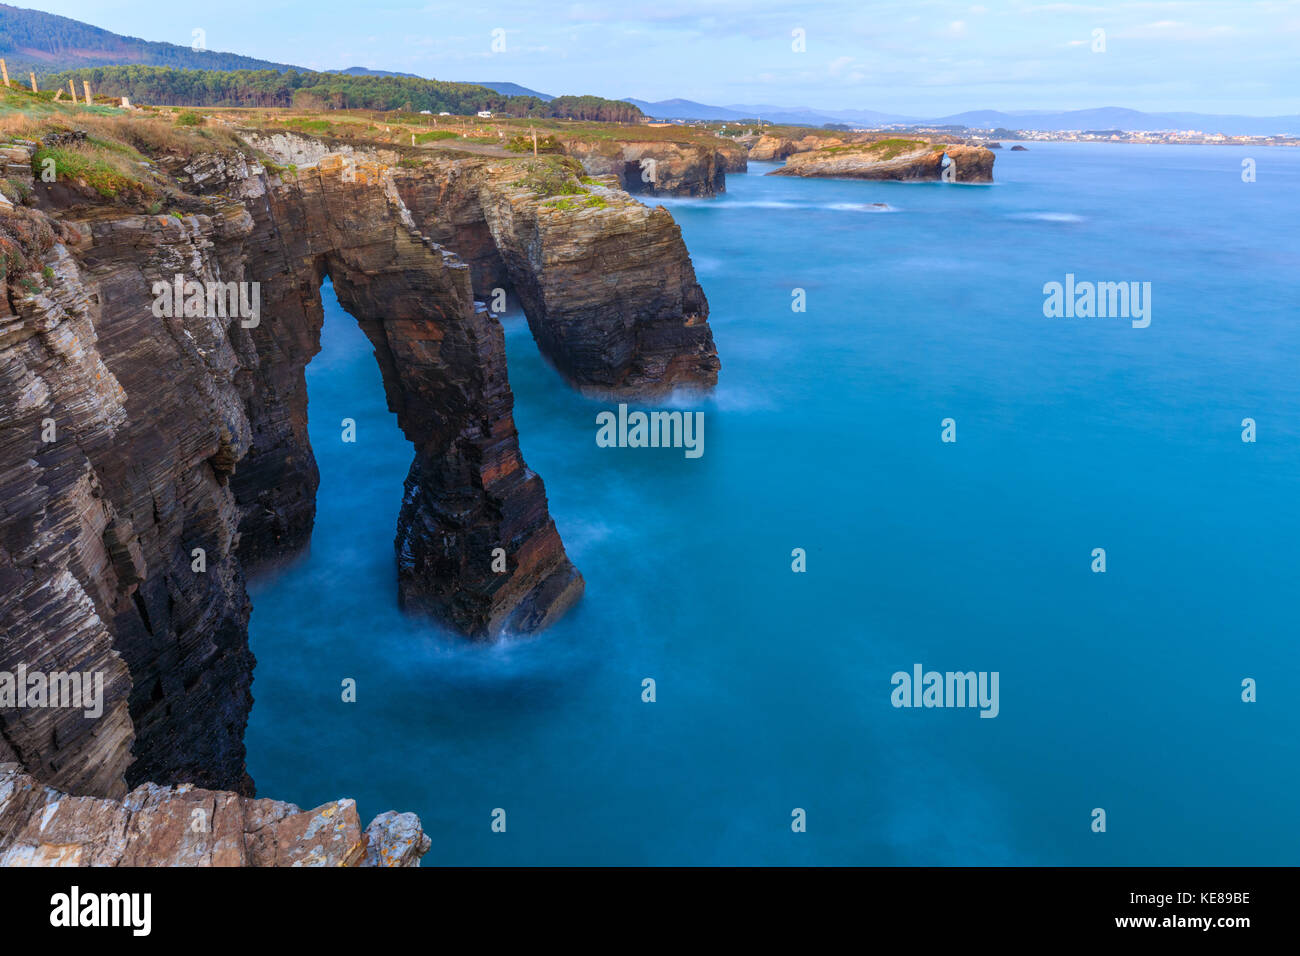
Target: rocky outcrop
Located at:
point(606, 283)
point(443, 362)
point(772, 147)
point(656, 167)
point(119, 433)
point(733, 157)
point(148, 462)
point(185, 826)
point(610, 294)
point(893, 160)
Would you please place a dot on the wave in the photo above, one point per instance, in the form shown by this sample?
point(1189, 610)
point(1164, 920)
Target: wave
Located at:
point(1047, 216)
point(775, 204)
point(862, 206)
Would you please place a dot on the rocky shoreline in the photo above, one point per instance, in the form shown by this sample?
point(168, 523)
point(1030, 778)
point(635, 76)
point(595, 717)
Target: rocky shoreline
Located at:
point(185, 826)
point(893, 160)
point(150, 464)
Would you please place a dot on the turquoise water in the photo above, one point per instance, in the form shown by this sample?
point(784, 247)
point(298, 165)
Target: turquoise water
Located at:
point(1119, 690)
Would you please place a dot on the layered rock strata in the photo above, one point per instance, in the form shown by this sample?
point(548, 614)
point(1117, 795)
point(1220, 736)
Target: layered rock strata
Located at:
point(186, 826)
point(770, 147)
point(606, 283)
point(886, 161)
point(657, 168)
point(149, 462)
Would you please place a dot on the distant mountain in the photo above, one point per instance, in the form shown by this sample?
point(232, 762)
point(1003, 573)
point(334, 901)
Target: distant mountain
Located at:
point(806, 116)
point(683, 109)
point(791, 115)
point(1116, 117)
point(1111, 117)
point(366, 71)
point(47, 43)
point(514, 89)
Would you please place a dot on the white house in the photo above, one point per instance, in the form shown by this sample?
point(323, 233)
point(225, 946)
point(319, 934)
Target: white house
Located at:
point(484, 114)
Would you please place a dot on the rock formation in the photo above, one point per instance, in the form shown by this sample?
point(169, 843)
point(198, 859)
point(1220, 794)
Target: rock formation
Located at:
point(733, 157)
point(606, 283)
point(657, 167)
point(893, 160)
point(150, 461)
point(185, 826)
point(770, 146)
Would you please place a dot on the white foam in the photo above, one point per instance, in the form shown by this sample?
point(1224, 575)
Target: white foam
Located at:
point(1048, 216)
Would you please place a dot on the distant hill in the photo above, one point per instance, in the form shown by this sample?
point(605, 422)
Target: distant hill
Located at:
point(1116, 117)
point(514, 89)
point(803, 115)
point(683, 109)
point(1111, 117)
point(790, 115)
point(165, 86)
point(366, 71)
point(48, 43)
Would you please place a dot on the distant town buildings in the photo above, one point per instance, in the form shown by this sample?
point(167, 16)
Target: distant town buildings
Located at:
point(1187, 136)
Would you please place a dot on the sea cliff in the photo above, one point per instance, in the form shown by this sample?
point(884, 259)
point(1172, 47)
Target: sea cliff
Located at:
point(186, 826)
point(151, 462)
point(900, 160)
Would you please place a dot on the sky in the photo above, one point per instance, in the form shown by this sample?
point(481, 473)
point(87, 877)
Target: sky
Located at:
point(916, 57)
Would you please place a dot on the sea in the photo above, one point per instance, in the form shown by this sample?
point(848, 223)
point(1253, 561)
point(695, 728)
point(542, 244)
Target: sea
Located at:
point(908, 466)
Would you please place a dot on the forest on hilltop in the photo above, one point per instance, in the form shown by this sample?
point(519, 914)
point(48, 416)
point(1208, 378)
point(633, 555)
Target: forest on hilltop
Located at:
point(164, 86)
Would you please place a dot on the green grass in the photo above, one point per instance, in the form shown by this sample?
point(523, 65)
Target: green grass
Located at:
point(87, 166)
point(523, 143)
point(310, 125)
point(18, 100)
point(553, 176)
point(880, 149)
point(568, 203)
point(435, 136)
point(15, 190)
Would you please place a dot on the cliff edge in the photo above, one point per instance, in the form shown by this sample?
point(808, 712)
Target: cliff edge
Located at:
point(185, 826)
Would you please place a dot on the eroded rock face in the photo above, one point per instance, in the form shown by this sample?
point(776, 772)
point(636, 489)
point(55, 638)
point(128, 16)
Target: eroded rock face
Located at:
point(733, 157)
point(769, 147)
point(119, 430)
point(656, 168)
point(185, 826)
point(177, 462)
point(148, 462)
point(608, 288)
point(972, 164)
point(443, 362)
